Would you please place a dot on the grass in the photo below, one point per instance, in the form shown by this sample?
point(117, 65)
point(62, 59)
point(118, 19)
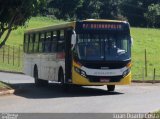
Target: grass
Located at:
point(144, 38)
point(149, 39)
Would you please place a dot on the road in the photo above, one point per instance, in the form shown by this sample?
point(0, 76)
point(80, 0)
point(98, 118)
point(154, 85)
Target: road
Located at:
point(133, 98)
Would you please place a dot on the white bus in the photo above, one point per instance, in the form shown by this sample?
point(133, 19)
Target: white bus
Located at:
point(89, 52)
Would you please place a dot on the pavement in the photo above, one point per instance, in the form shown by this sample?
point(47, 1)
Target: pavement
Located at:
point(137, 97)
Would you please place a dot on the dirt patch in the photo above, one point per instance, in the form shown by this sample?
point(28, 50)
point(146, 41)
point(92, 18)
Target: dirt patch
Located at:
point(4, 88)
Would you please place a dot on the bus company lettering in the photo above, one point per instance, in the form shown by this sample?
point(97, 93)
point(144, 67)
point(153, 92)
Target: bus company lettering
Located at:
point(102, 26)
point(104, 73)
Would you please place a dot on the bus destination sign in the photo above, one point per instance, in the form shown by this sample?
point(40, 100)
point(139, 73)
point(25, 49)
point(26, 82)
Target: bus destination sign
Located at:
point(102, 26)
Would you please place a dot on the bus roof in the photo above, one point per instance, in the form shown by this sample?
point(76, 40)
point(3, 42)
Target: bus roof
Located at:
point(52, 27)
point(69, 24)
point(104, 20)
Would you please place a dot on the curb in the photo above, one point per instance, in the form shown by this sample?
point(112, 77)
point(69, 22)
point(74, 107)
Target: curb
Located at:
point(147, 81)
point(13, 72)
point(7, 92)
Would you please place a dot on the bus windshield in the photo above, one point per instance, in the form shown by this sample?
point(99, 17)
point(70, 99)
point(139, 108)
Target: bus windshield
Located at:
point(106, 47)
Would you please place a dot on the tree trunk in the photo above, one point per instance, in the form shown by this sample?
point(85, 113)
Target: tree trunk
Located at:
point(1, 33)
point(9, 30)
point(5, 39)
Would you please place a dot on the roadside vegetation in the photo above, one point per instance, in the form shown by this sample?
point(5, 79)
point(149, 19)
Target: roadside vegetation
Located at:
point(145, 38)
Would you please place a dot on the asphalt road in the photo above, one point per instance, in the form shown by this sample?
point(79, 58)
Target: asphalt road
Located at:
point(133, 98)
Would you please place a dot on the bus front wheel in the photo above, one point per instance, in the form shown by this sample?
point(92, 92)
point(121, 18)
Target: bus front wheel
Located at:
point(65, 87)
point(111, 87)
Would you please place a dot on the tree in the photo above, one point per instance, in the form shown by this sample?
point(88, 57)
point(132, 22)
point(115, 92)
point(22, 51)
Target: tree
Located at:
point(89, 9)
point(135, 10)
point(14, 13)
point(110, 9)
point(153, 15)
point(65, 9)
point(40, 7)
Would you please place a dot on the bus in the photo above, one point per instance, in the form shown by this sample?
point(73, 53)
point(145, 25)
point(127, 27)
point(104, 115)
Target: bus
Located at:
point(92, 52)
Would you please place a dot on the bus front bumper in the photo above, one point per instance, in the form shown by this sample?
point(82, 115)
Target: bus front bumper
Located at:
point(80, 80)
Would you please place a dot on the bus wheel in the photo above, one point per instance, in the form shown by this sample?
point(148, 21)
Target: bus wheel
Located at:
point(111, 87)
point(39, 82)
point(64, 86)
point(61, 77)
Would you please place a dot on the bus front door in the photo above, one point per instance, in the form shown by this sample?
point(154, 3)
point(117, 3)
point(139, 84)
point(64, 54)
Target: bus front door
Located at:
point(68, 56)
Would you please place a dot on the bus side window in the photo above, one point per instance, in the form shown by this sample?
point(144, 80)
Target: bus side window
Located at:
point(41, 42)
point(48, 42)
point(31, 41)
point(36, 46)
point(26, 39)
point(61, 44)
point(54, 41)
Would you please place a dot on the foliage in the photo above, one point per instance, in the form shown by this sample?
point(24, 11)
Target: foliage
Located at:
point(110, 9)
point(65, 9)
point(133, 10)
point(137, 12)
point(89, 9)
point(14, 13)
point(153, 15)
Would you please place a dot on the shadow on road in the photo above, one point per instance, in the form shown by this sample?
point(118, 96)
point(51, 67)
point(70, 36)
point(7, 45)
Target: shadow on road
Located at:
point(29, 90)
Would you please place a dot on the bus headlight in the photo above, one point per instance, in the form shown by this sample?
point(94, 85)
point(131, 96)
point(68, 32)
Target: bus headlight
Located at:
point(79, 71)
point(126, 72)
point(83, 73)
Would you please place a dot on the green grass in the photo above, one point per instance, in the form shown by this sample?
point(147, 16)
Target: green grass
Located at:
point(144, 38)
point(149, 39)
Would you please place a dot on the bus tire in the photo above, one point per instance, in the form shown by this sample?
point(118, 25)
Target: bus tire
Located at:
point(111, 87)
point(39, 82)
point(64, 86)
point(61, 77)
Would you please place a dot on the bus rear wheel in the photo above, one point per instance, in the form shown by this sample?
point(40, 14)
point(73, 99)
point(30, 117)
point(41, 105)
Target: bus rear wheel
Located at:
point(39, 82)
point(111, 87)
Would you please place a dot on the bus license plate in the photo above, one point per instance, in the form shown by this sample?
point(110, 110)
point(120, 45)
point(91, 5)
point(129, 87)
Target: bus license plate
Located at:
point(104, 80)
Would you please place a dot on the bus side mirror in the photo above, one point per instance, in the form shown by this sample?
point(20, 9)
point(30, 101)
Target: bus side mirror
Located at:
point(131, 41)
point(73, 40)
